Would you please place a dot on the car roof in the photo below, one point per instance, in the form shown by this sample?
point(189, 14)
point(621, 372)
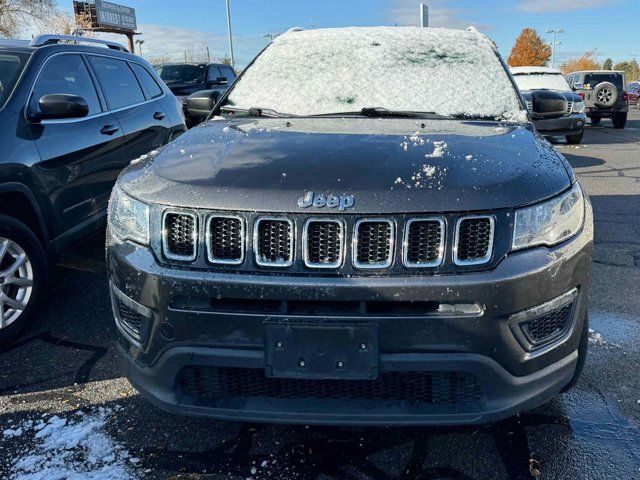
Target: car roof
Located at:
point(194, 64)
point(598, 71)
point(534, 70)
point(16, 45)
point(49, 43)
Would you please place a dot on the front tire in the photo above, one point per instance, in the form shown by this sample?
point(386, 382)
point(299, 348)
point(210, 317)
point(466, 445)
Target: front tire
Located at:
point(582, 355)
point(575, 139)
point(619, 120)
point(23, 272)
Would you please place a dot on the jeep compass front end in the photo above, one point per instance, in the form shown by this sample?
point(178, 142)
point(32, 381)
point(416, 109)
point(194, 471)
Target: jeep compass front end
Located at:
point(348, 242)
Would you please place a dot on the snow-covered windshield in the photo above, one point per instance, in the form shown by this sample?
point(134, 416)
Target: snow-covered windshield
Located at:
point(447, 72)
point(537, 81)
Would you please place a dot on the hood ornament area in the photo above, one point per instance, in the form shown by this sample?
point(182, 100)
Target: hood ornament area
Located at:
point(318, 200)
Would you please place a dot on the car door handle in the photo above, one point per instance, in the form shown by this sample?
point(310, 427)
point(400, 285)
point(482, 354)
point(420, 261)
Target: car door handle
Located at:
point(109, 129)
point(159, 116)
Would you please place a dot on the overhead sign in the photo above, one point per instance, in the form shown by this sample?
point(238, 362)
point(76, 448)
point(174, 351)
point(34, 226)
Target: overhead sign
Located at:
point(116, 16)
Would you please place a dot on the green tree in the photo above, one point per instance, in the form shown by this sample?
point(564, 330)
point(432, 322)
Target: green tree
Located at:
point(529, 50)
point(608, 64)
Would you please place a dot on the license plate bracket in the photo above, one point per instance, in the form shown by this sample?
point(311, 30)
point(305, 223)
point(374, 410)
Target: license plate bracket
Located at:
point(327, 351)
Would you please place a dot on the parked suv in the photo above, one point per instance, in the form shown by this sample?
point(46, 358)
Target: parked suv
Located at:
point(568, 119)
point(71, 117)
point(370, 251)
point(603, 94)
point(633, 90)
point(185, 79)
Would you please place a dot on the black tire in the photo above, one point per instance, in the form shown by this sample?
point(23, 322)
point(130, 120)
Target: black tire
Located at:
point(619, 120)
point(18, 233)
point(595, 120)
point(575, 139)
point(582, 355)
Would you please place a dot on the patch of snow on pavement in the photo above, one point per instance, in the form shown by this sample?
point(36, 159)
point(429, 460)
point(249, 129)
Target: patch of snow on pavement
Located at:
point(72, 448)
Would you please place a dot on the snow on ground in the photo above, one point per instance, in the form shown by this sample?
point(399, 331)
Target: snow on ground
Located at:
point(76, 447)
point(398, 68)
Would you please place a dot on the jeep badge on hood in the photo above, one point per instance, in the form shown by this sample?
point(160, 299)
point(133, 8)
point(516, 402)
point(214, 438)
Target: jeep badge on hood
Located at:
point(318, 200)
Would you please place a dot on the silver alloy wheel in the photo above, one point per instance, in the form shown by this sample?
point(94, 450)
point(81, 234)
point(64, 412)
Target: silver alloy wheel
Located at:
point(16, 281)
point(604, 96)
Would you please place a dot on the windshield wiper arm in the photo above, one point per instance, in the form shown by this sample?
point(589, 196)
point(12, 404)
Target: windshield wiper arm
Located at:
point(382, 112)
point(256, 111)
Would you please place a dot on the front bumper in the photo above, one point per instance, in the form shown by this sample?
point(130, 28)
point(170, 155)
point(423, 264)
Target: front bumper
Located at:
point(569, 125)
point(511, 378)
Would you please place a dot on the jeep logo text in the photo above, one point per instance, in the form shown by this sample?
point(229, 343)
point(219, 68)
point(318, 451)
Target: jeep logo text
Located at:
point(318, 200)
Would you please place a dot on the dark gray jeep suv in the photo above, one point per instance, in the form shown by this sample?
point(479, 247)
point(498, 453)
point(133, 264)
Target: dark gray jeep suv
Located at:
point(345, 243)
point(603, 94)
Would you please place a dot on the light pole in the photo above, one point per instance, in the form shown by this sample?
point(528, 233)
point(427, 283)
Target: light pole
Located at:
point(555, 32)
point(230, 36)
point(140, 42)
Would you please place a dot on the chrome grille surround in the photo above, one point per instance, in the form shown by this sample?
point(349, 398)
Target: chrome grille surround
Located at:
point(208, 234)
point(291, 242)
point(340, 247)
point(405, 247)
point(166, 247)
point(356, 242)
point(489, 247)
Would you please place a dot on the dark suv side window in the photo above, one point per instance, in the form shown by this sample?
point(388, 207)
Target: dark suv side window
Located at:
point(149, 83)
point(228, 73)
point(67, 74)
point(119, 84)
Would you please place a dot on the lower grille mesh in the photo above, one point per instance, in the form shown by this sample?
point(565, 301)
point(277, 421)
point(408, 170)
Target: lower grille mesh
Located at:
point(133, 321)
point(548, 326)
point(413, 387)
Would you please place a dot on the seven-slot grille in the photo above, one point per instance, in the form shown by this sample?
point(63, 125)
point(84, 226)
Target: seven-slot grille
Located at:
point(179, 235)
point(323, 243)
point(373, 243)
point(225, 240)
point(273, 242)
point(474, 240)
point(424, 242)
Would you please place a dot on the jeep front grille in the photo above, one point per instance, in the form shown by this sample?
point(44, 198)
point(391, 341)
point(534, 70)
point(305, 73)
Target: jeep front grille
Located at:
point(474, 240)
point(225, 240)
point(373, 243)
point(179, 235)
point(424, 242)
point(323, 243)
point(273, 242)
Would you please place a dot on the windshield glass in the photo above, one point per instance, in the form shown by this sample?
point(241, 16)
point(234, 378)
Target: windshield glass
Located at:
point(538, 81)
point(446, 72)
point(11, 65)
point(182, 73)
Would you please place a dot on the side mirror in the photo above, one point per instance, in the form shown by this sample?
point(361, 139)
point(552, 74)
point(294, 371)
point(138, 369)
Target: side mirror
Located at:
point(577, 86)
point(218, 81)
point(548, 104)
point(58, 106)
point(201, 103)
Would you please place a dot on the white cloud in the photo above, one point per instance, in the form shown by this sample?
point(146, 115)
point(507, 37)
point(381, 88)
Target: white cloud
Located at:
point(441, 14)
point(544, 6)
point(164, 39)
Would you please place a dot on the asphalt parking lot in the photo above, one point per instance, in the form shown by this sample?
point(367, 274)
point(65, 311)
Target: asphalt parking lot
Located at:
point(66, 363)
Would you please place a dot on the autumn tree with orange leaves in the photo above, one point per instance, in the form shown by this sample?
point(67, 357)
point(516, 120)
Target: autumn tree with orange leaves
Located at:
point(587, 61)
point(529, 50)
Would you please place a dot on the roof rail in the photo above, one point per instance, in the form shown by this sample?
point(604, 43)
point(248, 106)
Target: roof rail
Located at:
point(48, 39)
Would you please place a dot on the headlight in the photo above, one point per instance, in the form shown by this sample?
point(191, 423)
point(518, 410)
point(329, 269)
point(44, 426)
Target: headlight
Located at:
point(128, 218)
point(578, 107)
point(550, 222)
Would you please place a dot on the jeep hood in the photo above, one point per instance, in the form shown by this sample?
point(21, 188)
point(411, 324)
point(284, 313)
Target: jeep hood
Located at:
point(388, 165)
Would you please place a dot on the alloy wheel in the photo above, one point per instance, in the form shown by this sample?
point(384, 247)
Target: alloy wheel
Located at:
point(605, 95)
point(16, 281)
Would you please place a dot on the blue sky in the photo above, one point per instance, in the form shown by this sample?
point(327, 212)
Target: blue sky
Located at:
point(611, 26)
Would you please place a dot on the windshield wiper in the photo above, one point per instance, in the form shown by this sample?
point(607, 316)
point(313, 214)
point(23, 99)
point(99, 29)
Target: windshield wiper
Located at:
point(382, 112)
point(255, 111)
